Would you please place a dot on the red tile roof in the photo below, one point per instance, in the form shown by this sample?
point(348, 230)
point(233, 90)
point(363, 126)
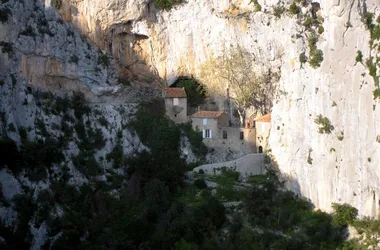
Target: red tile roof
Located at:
point(264, 118)
point(175, 93)
point(208, 114)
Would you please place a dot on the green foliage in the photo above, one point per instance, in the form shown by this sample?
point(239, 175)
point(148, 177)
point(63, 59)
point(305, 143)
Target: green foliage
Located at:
point(316, 58)
point(278, 11)
point(359, 56)
point(340, 136)
point(344, 214)
point(195, 139)
point(200, 183)
point(302, 58)
point(367, 19)
point(4, 13)
point(86, 164)
point(309, 159)
point(372, 70)
point(325, 126)
point(57, 4)
point(320, 29)
point(257, 5)
point(166, 4)
point(74, 59)
point(294, 9)
point(125, 82)
point(195, 91)
point(79, 104)
point(28, 31)
point(6, 47)
point(11, 127)
point(103, 59)
point(376, 94)
point(103, 121)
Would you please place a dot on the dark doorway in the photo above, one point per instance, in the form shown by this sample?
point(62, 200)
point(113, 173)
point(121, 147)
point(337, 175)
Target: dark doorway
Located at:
point(260, 150)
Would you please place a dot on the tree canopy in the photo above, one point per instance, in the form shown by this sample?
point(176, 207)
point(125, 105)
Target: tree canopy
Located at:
point(234, 74)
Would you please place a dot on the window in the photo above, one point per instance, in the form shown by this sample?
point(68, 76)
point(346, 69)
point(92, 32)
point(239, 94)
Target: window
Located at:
point(204, 121)
point(206, 133)
point(224, 134)
point(241, 135)
point(175, 101)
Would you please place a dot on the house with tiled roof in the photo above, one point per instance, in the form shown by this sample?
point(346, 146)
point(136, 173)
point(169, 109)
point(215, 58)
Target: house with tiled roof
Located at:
point(176, 104)
point(209, 122)
point(263, 126)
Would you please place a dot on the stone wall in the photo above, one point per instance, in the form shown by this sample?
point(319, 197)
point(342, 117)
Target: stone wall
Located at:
point(252, 164)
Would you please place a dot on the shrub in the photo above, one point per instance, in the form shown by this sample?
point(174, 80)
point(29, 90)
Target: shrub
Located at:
point(103, 121)
point(294, 9)
point(79, 104)
point(195, 139)
point(22, 132)
point(376, 93)
point(344, 214)
point(309, 159)
point(316, 58)
point(166, 4)
point(359, 56)
point(11, 127)
point(340, 136)
point(324, 123)
point(57, 4)
point(74, 59)
point(303, 58)
point(4, 13)
point(320, 29)
point(103, 59)
point(257, 5)
point(196, 92)
point(7, 47)
point(200, 183)
point(278, 11)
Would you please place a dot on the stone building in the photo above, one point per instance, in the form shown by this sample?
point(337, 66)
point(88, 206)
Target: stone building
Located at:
point(176, 104)
point(262, 125)
point(217, 134)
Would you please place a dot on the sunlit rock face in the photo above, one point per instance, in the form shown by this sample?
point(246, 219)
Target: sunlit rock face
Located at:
point(149, 44)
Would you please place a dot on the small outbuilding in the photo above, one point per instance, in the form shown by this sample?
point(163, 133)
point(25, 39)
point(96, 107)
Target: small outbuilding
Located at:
point(176, 104)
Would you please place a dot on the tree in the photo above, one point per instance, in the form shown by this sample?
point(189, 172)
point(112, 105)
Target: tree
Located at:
point(232, 75)
point(195, 91)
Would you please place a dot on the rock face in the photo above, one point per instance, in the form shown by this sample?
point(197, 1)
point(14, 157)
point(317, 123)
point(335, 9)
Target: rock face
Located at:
point(147, 43)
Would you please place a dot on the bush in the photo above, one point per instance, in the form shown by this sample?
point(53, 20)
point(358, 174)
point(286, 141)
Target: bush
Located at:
point(79, 104)
point(294, 9)
point(4, 13)
point(344, 214)
point(376, 93)
point(195, 139)
point(303, 58)
point(278, 11)
point(74, 59)
point(359, 56)
point(316, 58)
point(200, 183)
point(57, 4)
point(166, 4)
point(320, 29)
point(195, 91)
point(103, 59)
point(7, 47)
point(324, 123)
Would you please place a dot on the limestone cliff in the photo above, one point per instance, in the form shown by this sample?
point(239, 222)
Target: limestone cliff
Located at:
point(147, 42)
